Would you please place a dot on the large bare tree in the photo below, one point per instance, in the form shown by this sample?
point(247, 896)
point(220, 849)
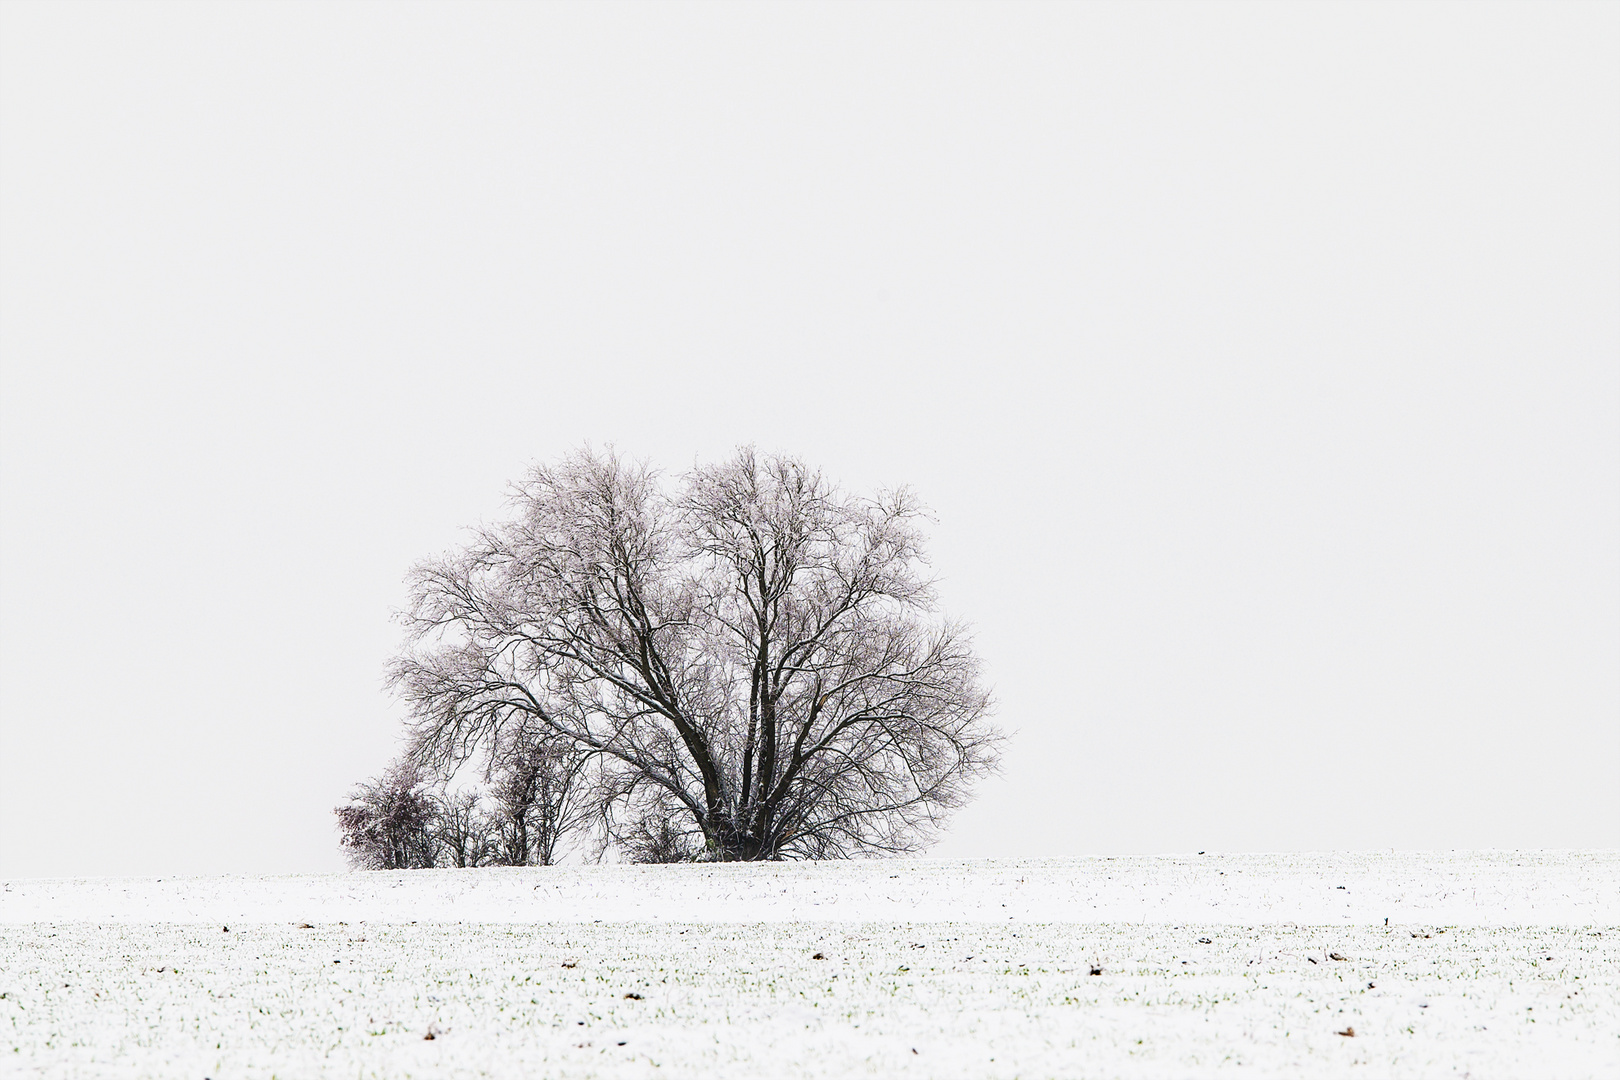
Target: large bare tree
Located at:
point(751, 662)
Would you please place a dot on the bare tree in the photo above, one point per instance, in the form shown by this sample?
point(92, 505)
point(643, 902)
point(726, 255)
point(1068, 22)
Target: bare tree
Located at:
point(536, 786)
point(461, 829)
point(388, 823)
point(656, 838)
point(534, 793)
point(751, 664)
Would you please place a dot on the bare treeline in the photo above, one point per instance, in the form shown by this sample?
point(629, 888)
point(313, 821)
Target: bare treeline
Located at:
point(413, 817)
point(746, 667)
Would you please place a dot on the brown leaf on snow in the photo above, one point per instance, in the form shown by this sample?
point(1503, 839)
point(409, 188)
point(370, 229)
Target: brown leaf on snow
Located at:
point(1336, 956)
point(1348, 1033)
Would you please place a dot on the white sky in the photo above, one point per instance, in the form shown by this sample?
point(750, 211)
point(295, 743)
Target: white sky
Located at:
point(1261, 364)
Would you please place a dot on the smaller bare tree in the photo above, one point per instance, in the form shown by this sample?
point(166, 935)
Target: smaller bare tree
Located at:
point(461, 829)
point(658, 838)
point(388, 823)
point(536, 784)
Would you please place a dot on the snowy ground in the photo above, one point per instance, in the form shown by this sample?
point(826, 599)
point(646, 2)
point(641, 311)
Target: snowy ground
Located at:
point(1492, 964)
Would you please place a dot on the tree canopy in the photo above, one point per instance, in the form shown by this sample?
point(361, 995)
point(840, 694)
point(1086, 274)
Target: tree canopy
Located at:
point(749, 660)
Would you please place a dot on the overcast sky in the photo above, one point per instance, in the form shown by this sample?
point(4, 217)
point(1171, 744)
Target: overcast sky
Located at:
point(1261, 365)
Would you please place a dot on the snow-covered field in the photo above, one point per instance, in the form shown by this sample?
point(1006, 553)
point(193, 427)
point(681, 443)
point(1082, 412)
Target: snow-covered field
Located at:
point(1491, 964)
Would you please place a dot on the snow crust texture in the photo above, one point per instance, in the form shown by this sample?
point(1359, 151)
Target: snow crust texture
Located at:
point(136, 979)
point(1474, 889)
